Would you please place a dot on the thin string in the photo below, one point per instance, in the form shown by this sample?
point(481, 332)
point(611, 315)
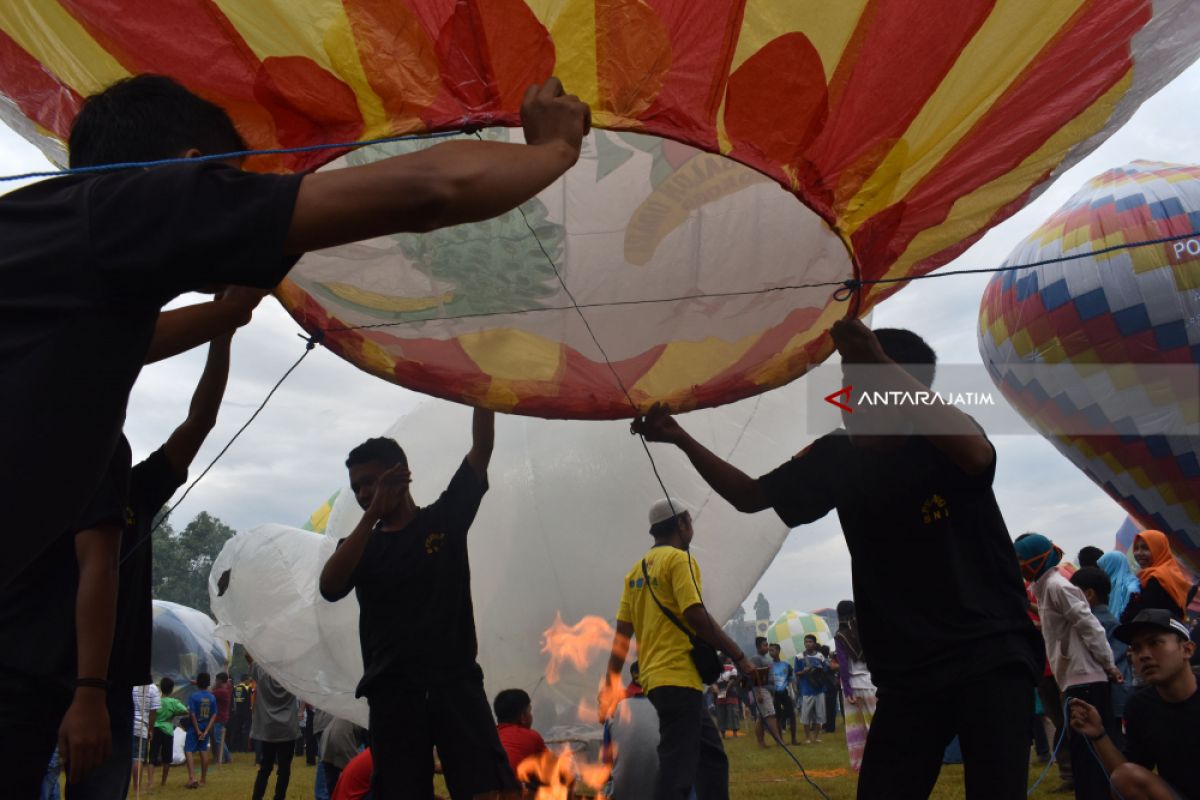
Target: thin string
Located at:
point(274, 151)
point(596, 341)
point(845, 290)
point(310, 344)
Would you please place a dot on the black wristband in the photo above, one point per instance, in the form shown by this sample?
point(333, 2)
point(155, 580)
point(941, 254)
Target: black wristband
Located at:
point(91, 683)
point(1098, 738)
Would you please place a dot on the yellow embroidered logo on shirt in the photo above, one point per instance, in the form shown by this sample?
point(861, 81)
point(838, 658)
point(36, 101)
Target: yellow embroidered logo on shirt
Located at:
point(433, 542)
point(934, 509)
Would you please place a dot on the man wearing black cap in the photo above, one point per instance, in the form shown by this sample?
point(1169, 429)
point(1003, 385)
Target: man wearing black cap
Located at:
point(1162, 722)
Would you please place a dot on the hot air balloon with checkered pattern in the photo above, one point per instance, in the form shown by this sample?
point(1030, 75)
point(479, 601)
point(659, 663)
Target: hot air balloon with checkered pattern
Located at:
point(748, 156)
point(1101, 353)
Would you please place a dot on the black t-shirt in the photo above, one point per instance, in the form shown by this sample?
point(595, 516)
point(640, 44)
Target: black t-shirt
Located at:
point(936, 582)
point(87, 262)
point(151, 484)
point(1152, 595)
point(37, 610)
point(416, 623)
point(1165, 736)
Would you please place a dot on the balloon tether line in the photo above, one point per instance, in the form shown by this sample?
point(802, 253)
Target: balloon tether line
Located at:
point(845, 290)
point(310, 345)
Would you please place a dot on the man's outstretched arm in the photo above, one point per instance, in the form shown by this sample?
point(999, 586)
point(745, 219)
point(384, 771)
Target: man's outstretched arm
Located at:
point(447, 184)
point(180, 329)
point(739, 489)
point(959, 438)
point(184, 442)
point(483, 438)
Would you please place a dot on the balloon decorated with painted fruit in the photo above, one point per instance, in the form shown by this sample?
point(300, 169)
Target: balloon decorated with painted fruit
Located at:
point(748, 156)
point(1101, 354)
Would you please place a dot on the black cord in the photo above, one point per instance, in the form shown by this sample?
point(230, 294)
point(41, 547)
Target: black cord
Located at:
point(845, 290)
point(308, 348)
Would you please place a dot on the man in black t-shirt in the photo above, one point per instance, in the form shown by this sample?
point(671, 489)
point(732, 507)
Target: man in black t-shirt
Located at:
point(1162, 721)
point(912, 486)
point(409, 570)
point(46, 611)
point(89, 259)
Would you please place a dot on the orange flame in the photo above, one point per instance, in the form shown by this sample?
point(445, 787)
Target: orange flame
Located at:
point(574, 644)
point(553, 772)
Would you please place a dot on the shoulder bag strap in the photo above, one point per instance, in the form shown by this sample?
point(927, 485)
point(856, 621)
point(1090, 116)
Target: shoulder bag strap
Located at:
point(674, 620)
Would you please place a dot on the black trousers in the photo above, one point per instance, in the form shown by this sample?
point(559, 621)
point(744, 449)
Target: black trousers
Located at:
point(1091, 781)
point(454, 717)
point(831, 710)
point(908, 737)
point(31, 710)
point(275, 754)
point(239, 729)
point(785, 712)
point(690, 754)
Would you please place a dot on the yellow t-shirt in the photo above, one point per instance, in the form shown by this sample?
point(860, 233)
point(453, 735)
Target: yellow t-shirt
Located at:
point(664, 653)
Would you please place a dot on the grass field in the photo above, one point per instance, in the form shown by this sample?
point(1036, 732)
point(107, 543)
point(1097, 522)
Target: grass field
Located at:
point(755, 775)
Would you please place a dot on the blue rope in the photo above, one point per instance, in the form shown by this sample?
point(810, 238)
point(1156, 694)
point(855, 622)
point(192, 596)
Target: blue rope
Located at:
point(1062, 735)
point(223, 156)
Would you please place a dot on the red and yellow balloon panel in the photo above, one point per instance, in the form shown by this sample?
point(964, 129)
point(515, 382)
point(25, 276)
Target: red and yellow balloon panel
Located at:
point(744, 150)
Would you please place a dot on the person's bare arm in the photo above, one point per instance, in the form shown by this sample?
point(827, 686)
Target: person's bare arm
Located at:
point(84, 738)
point(483, 438)
point(338, 572)
point(180, 329)
point(1085, 720)
point(706, 628)
point(959, 438)
point(610, 689)
point(448, 184)
point(736, 487)
point(184, 442)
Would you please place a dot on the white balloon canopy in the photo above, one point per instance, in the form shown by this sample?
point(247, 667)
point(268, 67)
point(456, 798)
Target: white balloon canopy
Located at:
point(563, 522)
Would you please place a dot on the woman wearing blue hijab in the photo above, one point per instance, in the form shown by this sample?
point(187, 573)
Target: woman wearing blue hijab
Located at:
point(1124, 583)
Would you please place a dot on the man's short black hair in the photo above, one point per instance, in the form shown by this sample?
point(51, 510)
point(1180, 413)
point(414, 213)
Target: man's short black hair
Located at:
point(759, 640)
point(203, 680)
point(510, 705)
point(166, 686)
point(1088, 556)
point(808, 636)
point(222, 676)
point(661, 530)
point(382, 449)
point(1095, 579)
point(910, 351)
point(147, 118)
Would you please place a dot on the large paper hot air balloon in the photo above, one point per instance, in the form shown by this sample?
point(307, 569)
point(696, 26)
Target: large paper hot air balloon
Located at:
point(184, 644)
point(563, 522)
point(1102, 354)
point(750, 148)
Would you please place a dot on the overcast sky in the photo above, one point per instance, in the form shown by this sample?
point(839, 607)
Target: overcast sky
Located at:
point(290, 459)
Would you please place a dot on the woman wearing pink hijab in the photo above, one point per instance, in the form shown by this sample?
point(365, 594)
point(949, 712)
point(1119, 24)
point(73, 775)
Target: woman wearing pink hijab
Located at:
point(1165, 584)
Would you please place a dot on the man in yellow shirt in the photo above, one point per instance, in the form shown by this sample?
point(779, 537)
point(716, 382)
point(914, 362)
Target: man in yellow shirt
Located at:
point(690, 753)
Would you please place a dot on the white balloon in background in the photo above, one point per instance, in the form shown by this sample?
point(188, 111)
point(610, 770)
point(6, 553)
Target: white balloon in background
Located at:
point(564, 520)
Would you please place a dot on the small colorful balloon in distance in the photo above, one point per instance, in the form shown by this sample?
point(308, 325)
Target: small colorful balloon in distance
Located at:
point(1101, 354)
point(789, 630)
point(744, 150)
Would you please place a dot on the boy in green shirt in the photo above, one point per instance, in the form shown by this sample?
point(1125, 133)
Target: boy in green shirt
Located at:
point(162, 746)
